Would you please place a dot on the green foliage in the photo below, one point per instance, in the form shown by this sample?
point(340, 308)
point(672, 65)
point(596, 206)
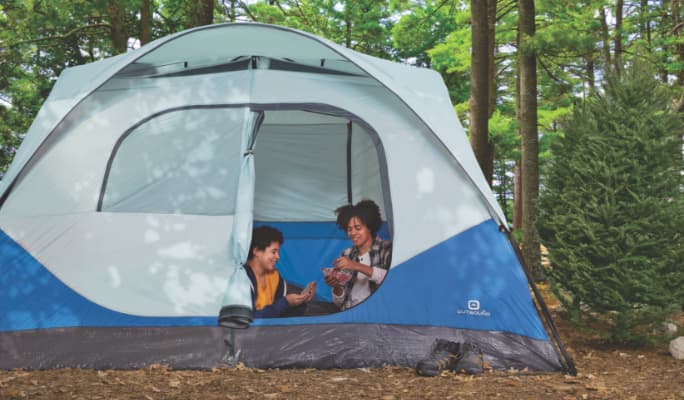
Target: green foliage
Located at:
point(454, 54)
point(362, 25)
point(503, 132)
point(422, 29)
point(612, 210)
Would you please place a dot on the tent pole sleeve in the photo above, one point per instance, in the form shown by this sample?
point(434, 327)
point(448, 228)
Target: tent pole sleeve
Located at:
point(349, 162)
point(546, 315)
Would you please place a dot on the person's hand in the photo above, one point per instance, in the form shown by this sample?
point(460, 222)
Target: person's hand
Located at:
point(345, 263)
point(310, 291)
point(330, 280)
point(295, 299)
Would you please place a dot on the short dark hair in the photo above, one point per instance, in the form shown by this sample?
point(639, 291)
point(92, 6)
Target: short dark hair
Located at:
point(365, 210)
point(262, 237)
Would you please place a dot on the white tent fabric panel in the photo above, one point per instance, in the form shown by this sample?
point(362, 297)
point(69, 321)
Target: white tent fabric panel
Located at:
point(74, 166)
point(424, 91)
point(423, 175)
point(437, 199)
point(421, 90)
point(59, 104)
point(185, 161)
point(140, 264)
point(229, 44)
point(72, 81)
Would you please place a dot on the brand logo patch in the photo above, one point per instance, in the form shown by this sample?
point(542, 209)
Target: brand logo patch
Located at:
point(474, 308)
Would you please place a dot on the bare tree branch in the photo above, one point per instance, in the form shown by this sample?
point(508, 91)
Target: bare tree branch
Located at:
point(59, 37)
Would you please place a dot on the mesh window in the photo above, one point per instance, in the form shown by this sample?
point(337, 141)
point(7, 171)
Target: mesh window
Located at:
point(184, 162)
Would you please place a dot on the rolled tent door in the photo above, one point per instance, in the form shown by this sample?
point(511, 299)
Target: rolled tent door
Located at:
point(236, 311)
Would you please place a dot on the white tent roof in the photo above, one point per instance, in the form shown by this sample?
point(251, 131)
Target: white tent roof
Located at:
point(422, 90)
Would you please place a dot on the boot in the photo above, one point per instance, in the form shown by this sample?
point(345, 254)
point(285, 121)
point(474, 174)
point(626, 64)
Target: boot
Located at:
point(444, 355)
point(470, 361)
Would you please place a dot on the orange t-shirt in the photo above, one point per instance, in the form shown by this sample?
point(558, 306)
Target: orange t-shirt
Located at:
point(266, 295)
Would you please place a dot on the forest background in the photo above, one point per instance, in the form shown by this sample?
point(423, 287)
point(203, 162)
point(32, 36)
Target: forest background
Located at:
point(516, 71)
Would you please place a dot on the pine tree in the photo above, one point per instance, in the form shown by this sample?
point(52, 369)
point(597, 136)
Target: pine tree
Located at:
point(611, 210)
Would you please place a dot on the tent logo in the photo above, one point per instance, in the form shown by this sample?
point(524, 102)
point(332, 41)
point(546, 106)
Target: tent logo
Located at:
point(474, 308)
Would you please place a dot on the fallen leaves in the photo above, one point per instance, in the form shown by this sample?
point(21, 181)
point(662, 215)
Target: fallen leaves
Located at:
point(602, 375)
point(174, 383)
point(597, 387)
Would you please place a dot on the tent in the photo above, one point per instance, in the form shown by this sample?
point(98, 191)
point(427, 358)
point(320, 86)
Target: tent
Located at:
point(127, 212)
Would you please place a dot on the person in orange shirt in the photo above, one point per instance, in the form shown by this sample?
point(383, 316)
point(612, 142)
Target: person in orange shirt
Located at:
point(270, 297)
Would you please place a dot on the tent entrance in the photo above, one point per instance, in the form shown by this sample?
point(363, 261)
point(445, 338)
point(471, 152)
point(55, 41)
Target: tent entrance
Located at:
point(307, 164)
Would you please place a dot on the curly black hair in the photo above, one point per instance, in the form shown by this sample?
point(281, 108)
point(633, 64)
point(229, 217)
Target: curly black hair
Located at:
point(365, 210)
point(262, 237)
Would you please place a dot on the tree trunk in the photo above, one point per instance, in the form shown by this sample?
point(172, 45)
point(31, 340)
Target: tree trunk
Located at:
point(199, 13)
point(517, 197)
point(605, 38)
point(491, 79)
point(117, 31)
point(591, 73)
point(491, 36)
point(232, 11)
point(646, 25)
point(676, 8)
point(517, 170)
point(145, 22)
point(479, 88)
point(530, 142)
point(617, 40)
point(504, 189)
point(348, 26)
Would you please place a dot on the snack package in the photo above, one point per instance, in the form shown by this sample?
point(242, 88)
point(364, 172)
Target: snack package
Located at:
point(342, 275)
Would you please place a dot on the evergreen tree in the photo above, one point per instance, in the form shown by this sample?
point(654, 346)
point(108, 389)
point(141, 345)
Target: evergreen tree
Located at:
point(612, 210)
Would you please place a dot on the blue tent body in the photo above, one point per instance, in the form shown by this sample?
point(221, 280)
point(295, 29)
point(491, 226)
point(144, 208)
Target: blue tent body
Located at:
point(126, 214)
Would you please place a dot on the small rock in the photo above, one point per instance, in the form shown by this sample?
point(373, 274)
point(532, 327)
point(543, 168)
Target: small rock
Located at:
point(669, 329)
point(677, 348)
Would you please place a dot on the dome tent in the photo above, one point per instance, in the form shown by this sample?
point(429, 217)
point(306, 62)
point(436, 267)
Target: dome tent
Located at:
point(128, 210)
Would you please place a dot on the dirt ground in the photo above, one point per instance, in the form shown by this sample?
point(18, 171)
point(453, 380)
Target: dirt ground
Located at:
point(603, 373)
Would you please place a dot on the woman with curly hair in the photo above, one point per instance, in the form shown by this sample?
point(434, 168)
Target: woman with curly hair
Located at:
point(368, 260)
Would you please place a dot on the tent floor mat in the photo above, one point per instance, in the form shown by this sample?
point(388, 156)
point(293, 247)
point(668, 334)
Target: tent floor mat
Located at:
point(293, 346)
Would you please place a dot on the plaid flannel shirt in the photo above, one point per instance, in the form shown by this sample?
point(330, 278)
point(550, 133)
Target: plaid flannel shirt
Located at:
point(380, 256)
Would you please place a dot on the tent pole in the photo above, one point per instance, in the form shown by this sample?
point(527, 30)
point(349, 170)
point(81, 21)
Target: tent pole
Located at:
point(544, 310)
point(349, 162)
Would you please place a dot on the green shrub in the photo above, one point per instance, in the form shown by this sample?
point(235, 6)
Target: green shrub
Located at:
point(611, 210)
